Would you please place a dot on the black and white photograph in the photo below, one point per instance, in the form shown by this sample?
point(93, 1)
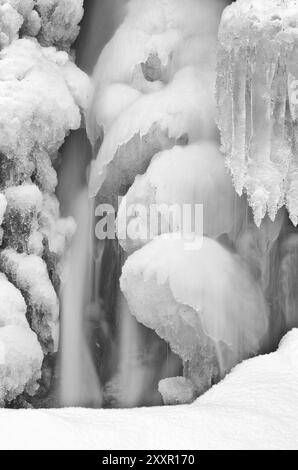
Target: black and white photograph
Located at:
point(148, 228)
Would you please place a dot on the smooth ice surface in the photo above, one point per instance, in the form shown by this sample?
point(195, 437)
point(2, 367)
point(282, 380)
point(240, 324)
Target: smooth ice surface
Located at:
point(254, 407)
point(189, 176)
point(20, 353)
point(257, 102)
point(201, 300)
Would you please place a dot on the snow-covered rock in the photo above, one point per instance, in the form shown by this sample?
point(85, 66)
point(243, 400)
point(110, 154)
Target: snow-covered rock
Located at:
point(176, 181)
point(201, 299)
point(54, 22)
point(38, 107)
point(20, 353)
point(257, 102)
point(177, 391)
point(29, 274)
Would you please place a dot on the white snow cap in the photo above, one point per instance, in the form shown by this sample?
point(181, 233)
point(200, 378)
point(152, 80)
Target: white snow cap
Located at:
point(24, 198)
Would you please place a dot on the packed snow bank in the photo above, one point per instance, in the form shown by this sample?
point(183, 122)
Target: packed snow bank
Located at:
point(255, 407)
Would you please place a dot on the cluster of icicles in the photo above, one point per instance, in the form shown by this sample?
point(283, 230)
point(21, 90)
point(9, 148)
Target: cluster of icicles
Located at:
point(258, 102)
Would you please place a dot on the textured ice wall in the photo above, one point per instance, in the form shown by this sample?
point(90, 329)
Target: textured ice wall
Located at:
point(257, 102)
point(42, 96)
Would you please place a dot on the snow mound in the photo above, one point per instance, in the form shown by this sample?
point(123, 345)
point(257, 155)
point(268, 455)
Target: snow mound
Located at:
point(20, 353)
point(176, 179)
point(201, 299)
point(29, 274)
point(257, 102)
point(36, 85)
point(254, 407)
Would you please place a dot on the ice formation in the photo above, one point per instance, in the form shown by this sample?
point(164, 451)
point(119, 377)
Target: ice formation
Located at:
point(42, 97)
point(34, 86)
point(180, 112)
point(150, 89)
point(54, 22)
point(29, 274)
point(203, 302)
point(59, 21)
point(176, 179)
point(257, 102)
point(20, 353)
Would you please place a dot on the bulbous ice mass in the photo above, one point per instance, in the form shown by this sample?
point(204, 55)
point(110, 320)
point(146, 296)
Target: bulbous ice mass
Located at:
point(20, 353)
point(29, 274)
point(257, 102)
point(203, 302)
point(38, 86)
point(176, 181)
point(180, 112)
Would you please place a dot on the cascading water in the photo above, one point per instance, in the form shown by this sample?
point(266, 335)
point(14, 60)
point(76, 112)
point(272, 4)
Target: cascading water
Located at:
point(80, 384)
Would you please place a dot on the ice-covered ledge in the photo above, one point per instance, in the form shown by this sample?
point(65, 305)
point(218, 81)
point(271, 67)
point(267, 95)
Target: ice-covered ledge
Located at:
point(255, 407)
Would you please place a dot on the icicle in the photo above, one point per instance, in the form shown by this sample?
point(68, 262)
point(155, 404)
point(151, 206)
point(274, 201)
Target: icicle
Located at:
point(258, 48)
